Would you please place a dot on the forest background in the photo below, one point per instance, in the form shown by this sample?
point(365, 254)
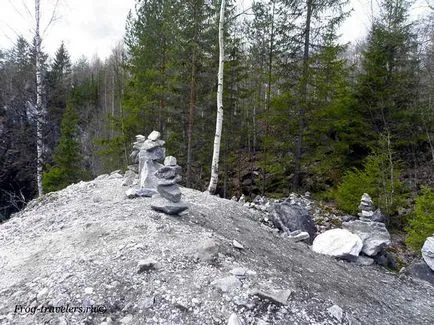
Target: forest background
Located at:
point(302, 111)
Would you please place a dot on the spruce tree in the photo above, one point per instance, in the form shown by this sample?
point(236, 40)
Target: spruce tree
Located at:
point(68, 159)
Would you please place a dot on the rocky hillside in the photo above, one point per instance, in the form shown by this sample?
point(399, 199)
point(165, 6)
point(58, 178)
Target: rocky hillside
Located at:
point(89, 255)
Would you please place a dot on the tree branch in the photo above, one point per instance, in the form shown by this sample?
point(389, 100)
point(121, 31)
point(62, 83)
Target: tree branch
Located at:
point(53, 17)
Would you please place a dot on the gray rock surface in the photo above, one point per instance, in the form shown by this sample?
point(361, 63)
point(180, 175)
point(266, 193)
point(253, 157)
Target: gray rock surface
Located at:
point(64, 242)
point(374, 235)
point(428, 252)
point(338, 243)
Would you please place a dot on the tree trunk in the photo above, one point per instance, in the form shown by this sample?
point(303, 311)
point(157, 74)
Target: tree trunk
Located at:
point(219, 121)
point(303, 99)
point(39, 109)
point(191, 112)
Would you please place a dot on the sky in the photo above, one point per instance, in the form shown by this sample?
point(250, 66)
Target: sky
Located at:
point(94, 27)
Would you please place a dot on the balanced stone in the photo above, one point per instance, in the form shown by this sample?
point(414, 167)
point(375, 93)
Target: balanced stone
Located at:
point(170, 181)
point(154, 136)
point(148, 144)
point(170, 161)
point(170, 192)
point(156, 153)
point(160, 204)
point(168, 172)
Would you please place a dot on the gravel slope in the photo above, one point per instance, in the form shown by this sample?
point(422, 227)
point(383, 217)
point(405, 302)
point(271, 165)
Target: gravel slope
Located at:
point(82, 246)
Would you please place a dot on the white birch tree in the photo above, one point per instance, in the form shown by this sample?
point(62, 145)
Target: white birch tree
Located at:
point(40, 116)
point(40, 110)
point(219, 121)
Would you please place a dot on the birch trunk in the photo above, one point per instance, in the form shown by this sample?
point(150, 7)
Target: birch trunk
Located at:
point(219, 121)
point(39, 108)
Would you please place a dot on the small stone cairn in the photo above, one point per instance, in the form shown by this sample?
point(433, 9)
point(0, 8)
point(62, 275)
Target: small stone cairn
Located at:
point(169, 198)
point(366, 208)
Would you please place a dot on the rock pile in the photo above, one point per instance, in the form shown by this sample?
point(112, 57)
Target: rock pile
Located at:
point(169, 198)
point(151, 152)
point(372, 234)
point(367, 208)
point(147, 152)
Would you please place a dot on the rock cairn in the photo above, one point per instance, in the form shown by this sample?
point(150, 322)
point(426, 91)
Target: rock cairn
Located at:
point(366, 208)
point(169, 198)
point(151, 152)
point(370, 228)
point(147, 152)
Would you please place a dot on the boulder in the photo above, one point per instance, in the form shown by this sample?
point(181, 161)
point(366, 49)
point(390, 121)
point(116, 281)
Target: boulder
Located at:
point(337, 242)
point(420, 270)
point(289, 218)
point(428, 252)
point(374, 235)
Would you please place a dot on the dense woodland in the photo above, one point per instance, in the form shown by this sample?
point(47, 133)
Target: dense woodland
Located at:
point(302, 111)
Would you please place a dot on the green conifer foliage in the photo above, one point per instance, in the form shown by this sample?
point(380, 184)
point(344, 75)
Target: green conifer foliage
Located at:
point(421, 223)
point(376, 179)
point(68, 166)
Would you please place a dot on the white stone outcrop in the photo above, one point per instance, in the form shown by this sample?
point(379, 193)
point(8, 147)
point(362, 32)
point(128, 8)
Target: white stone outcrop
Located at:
point(338, 243)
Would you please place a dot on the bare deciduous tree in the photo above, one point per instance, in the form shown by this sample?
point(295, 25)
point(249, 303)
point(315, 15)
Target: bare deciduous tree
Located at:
point(219, 122)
